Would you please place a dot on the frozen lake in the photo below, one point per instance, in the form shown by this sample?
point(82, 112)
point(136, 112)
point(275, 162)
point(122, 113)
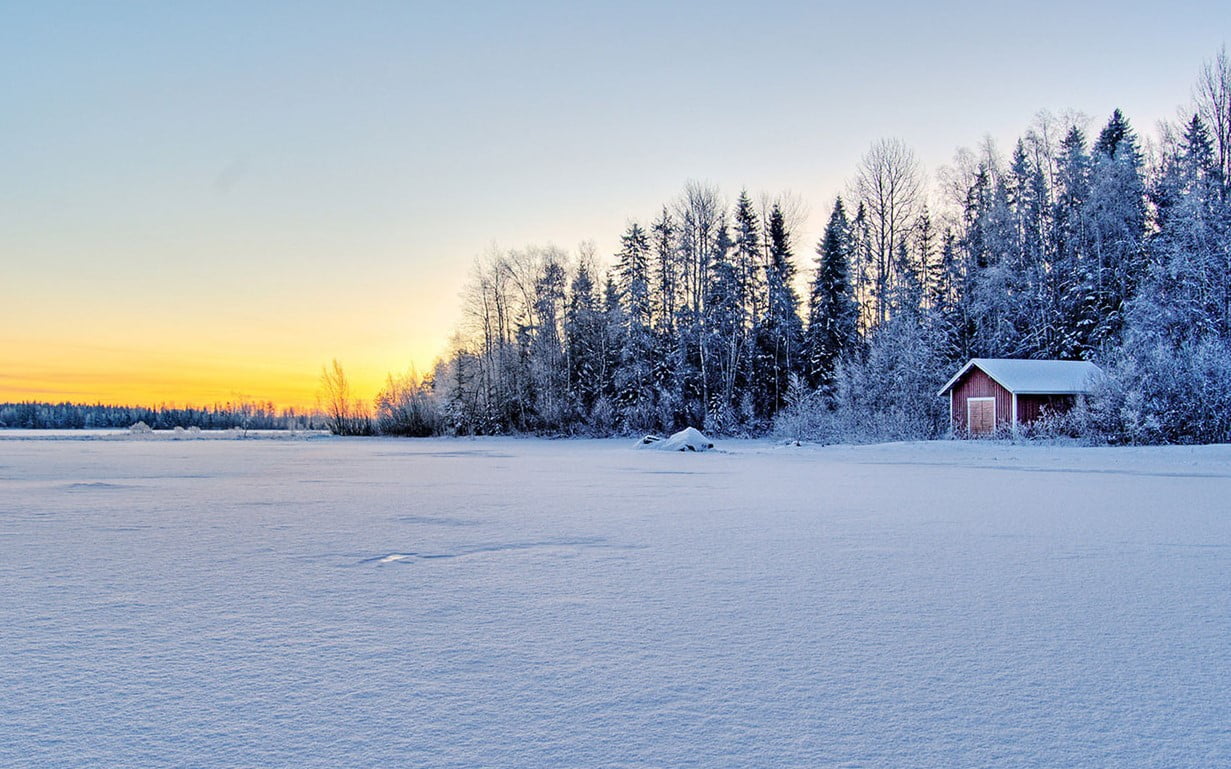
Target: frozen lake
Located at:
point(523, 603)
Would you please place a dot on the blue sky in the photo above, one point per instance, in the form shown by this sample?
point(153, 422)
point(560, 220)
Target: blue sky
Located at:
point(260, 187)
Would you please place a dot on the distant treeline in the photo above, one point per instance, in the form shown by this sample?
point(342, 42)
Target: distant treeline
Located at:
point(78, 416)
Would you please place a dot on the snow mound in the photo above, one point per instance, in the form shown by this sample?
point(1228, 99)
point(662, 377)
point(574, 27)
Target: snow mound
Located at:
point(140, 428)
point(688, 439)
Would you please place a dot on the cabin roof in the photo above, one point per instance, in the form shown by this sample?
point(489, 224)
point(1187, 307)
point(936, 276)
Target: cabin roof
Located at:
point(1034, 377)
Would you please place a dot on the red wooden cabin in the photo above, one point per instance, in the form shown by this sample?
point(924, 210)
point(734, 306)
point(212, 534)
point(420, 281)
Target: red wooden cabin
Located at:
point(992, 393)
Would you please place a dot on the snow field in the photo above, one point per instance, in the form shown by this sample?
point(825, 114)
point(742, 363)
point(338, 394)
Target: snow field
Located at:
point(524, 603)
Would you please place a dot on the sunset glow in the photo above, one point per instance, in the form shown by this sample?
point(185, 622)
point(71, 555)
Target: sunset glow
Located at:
point(151, 352)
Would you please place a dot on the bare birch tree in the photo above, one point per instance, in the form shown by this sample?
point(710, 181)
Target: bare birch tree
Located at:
point(888, 185)
point(1213, 97)
point(344, 414)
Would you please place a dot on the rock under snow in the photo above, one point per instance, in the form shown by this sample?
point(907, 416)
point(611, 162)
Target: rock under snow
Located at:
point(688, 439)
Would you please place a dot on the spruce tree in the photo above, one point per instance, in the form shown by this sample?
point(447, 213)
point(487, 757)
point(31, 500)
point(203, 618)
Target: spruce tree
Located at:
point(666, 275)
point(583, 330)
point(634, 392)
point(833, 315)
point(780, 340)
point(725, 326)
point(1116, 223)
point(1073, 275)
point(746, 253)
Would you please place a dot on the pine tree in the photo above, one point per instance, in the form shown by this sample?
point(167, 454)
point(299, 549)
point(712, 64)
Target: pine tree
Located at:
point(746, 254)
point(1116, 219)
point(949, 305)
point(931, 270)
point(833, 315)
point(611, 347)
point(546, 363)
point(1116, 136)
point(1072, 262)
point(633, 383)
point(780, 340)
point(726, 327)
point(666, 275)
point(583, 329)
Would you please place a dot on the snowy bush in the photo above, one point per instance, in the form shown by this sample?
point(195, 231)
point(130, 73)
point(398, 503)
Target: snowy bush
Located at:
point(603, 416)
point(877, 399)
point(806, 416)
point(408, 406)
point(1075, 424)
point(140, 428)
point(890, 394)
point(1167, 394)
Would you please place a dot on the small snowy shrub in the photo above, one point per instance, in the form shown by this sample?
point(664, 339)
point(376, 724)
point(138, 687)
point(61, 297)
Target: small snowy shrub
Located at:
point(805, 415)
point(720, 419)
point(140, 428)
point(1075, 424)
point(603, 416)
point(408, 406)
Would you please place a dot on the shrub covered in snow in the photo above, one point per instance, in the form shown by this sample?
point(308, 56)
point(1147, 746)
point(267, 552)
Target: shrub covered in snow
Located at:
point(1167, 394)
point(408, 406)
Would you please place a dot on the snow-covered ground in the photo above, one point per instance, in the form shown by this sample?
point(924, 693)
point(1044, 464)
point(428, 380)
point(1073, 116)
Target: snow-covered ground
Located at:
point(522, 603)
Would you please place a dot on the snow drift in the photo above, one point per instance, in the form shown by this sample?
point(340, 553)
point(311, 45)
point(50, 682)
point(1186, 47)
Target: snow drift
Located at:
point(688, 439)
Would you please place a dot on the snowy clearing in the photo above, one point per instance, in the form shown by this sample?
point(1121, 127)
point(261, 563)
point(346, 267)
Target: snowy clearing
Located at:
point(525, 603)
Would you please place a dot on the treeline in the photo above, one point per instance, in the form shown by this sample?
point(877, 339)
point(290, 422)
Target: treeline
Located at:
point(76, 416)
point(1096, 246)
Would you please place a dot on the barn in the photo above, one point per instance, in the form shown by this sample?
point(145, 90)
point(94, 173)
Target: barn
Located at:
point(992, 393)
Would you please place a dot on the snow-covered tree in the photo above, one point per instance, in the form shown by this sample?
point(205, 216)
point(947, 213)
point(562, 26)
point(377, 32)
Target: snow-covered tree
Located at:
point(780, 332)
point(833, 315)
point(634, 392)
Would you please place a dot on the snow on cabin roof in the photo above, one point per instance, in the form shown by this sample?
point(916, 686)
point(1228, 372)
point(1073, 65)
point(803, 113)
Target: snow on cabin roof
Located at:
point(1034, 377)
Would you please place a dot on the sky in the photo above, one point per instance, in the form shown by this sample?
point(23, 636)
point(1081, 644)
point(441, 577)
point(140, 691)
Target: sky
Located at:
point(207, 202)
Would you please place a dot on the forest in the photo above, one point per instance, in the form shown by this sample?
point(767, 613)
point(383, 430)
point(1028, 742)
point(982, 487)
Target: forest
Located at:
point(239, 414)
point(1082, 242)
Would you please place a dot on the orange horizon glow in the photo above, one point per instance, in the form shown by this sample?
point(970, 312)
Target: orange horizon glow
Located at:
point(185, 365)
point(186, 386)
point(126, 377)
point(132, 341)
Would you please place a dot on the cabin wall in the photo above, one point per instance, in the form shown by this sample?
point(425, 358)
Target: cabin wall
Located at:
point(1031, 407)
point(976, 384)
